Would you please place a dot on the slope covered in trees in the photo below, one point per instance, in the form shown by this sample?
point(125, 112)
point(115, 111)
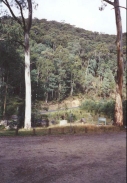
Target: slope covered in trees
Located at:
point(65, 61)
point(83, 61)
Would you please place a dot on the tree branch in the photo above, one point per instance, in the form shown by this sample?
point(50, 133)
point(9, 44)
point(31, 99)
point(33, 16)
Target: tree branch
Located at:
point(120, 7)
point(23, 20)
point(4, 2)
point(109, 2)
point(29, 15)
point(12, 13)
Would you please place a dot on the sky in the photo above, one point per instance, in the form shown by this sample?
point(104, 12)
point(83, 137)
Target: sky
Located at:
point(81, 13)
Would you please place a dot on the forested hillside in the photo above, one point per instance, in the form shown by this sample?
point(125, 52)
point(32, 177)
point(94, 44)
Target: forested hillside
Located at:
point(65, 61)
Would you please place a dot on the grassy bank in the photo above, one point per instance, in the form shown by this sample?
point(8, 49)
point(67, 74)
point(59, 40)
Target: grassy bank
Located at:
point(69, 129)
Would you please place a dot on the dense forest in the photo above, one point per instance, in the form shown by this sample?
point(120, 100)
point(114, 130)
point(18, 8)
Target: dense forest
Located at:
point(65, 61)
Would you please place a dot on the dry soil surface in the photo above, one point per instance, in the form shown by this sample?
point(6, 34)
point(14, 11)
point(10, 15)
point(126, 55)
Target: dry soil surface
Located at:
point(98, 158)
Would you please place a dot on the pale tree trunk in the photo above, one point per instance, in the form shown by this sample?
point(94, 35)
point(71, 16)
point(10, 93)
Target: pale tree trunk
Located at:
point(5, 99)
point(37, 83)
point(72, 88)
point(119, 81)
point(118, 118)
point(59, 91)
point(26, 26)
point(27, 122)
point(118, 109)
point(72, 85)
point(46, 97)
point(52, 94)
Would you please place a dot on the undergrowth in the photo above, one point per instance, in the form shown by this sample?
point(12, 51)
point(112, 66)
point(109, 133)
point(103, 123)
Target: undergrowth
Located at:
point(69, 129)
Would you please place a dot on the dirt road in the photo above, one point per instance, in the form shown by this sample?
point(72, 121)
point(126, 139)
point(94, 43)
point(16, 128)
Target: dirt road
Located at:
point(89, 158)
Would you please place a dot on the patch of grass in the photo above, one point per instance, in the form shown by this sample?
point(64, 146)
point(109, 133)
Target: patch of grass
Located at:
point(56, 130)
point(7, 132)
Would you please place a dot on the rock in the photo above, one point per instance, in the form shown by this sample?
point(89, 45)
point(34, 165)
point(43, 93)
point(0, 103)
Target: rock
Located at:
point(7, 127)
point(3, 122)
point(83, 120)
point(63, 122)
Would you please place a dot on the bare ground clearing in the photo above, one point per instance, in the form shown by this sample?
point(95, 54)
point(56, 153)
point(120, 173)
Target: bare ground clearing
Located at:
point(89, 158)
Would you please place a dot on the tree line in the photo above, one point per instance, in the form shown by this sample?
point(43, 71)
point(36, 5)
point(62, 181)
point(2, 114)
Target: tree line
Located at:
point(65, 61)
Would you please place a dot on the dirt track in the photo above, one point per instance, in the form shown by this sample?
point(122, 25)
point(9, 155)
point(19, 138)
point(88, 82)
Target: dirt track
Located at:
point(64, 159)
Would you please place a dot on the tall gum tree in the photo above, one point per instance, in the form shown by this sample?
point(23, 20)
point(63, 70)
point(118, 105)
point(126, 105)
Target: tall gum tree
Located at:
point(26, 26)
point(118, 118)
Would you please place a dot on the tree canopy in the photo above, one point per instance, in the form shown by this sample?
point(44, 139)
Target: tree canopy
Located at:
point(65, 61)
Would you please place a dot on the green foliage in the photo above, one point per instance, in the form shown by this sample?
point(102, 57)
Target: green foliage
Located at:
point(102, 107)
point(64, 61)
point(2, 127)
point(88, 83)
point(108, 84)
point(13, 105)
point(11, 78)
point(92, 67)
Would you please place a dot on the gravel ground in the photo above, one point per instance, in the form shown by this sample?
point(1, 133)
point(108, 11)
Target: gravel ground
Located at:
point(89, 158)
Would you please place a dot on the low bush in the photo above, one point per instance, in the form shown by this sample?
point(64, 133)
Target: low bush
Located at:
point(2, 127)
point(104, 107)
